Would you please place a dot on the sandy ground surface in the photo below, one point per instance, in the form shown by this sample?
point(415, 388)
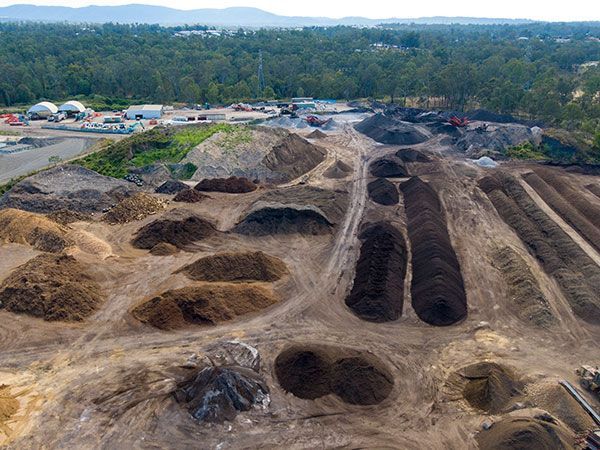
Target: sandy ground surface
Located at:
point(100, 384)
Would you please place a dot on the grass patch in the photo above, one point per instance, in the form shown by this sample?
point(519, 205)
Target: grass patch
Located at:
point(8, 133)
point(159, 145)
point(526, 151)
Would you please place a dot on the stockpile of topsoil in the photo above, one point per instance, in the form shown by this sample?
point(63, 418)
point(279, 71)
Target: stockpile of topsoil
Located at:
point(388, 168)
point(67, 187)
point(378, 291)
point(66, 216)
point(411, 155)
point(383, 192)
point(206, 304)
point(171, 187)
point(230, 266)
point(231, 185)
point(524, 291)
point(21, 227)
point(560, 256)
point(565, 209)
point(317, 134)
point(355, 377)
point(189, 196)
point(179, 228)
point(490, 387)
point(284, 220)
point(438, 293)
point(137, 207)
point(594, 189)
point(293, 157)
point(387, 130)
point(52, 287)
point(526, 433)
point(338, 170)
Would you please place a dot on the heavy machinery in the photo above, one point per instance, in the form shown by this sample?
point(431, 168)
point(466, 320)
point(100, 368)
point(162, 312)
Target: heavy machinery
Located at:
point(589, 378)
point(458, 121)
point(315, 121)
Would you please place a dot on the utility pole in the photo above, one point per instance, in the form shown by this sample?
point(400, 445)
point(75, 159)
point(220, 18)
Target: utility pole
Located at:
point(261, 76)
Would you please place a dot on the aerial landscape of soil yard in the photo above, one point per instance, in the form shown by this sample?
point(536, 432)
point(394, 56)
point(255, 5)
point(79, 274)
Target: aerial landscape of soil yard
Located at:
point(195, 253)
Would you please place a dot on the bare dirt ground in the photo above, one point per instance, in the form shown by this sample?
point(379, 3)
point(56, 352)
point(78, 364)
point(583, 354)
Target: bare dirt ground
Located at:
point(107, 382)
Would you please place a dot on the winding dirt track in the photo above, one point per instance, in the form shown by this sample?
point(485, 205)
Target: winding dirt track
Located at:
point(106, 383)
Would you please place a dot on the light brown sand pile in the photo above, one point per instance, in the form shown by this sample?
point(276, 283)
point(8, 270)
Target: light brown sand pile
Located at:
point(33, 229)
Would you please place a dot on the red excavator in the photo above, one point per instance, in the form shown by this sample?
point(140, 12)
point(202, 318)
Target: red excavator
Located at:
point(458, 122)
point(315, 121)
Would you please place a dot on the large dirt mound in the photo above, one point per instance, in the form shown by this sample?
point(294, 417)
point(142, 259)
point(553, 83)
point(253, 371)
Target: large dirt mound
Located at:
point(566, 209)
point(378, 291)
point(438, 293)
point(530, 303)
point(217, 394)
point(576, 273)
point(23, 227)
point(293, 157)
point(313, 372)
point(490, 386)
point(388, 168)
point(242, 266)
point(338, 170)
point(53, 287)
point(66, 187)
point(317, 134)
point(137, 207)
point(594, 189)
point(189, 196)
point(557, 401)
point(207, 304)
point(387, 130)
point(525, 433)
point(411, 155)
point(282, 219)
point(171, 187)
point(231, 185)
point(179, 228)
point(383, 192)
point(66, 216)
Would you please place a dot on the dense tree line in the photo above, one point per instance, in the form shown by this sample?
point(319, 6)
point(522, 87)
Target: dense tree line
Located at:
point(533, 70)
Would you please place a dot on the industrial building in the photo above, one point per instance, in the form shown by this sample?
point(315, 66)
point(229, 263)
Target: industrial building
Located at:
point(42, 110)
point(138, 112)
point(71, 108)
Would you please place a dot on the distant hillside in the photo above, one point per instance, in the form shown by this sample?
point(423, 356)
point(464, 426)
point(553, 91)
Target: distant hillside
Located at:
point(228, 17)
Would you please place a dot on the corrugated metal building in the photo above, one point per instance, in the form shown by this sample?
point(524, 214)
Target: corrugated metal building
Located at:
point(137, 112)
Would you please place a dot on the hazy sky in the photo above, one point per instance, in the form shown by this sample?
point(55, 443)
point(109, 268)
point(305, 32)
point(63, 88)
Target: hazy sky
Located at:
point(553, 10)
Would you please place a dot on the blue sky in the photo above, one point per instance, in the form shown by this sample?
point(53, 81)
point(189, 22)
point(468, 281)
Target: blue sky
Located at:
point(552, 10)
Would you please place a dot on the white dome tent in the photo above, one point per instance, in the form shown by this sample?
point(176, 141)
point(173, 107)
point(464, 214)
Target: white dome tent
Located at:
point(72, 107)
point(43, 109)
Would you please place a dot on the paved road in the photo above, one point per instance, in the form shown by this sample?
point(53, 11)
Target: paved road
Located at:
point(22, 163)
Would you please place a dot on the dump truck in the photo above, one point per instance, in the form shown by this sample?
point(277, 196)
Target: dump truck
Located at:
point(589, 378)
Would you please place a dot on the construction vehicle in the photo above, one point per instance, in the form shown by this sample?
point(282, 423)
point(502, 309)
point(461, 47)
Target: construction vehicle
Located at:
point(589, 378)
point(458, 121)
point(315, 121)
point(242, 107)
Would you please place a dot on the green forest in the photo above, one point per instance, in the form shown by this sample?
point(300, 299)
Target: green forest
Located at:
point(539, 70)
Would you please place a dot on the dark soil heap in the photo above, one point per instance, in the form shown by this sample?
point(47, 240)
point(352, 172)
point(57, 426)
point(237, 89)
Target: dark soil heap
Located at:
point(243, 266)
point(530, 303)
point(566, 209)
point(231, 185)
point(411, 155)
point(525, 433)
point(52, 287)
point(317, 134)
point(438, 293)
point(293, 157)
point(180, 228)
point(387, 130)
point(490, 387)
point(42, 233)
point(171, 187)
point(576, 273)
point(338, 170)
point(206, 304)
point(383, 192)
point(66, 216)
point(217, 394)
point(137, 207)
point(378, 291)
point(313, 372)
point(594, 189)
point(283, 220)
point(189, 196)
point(388, 168)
